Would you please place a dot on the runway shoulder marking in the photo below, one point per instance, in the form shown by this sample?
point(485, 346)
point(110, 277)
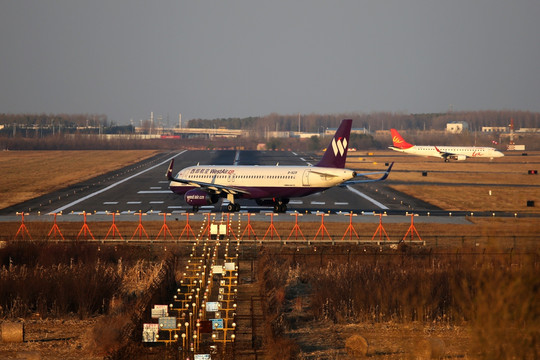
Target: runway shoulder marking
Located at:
point(60, 209)
point(373, 201)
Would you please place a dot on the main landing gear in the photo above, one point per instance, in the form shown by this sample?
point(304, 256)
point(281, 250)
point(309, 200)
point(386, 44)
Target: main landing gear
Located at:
point(280, 208)
point(233, 207)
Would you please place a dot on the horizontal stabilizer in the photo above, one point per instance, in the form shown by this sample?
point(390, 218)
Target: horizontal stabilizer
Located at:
point(361, 181)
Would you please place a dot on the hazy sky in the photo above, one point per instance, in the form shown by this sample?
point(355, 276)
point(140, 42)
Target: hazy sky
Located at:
point(209, 59)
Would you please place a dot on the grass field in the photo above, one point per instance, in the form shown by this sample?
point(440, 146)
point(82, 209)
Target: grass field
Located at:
point(28, 174)
point(472, 185)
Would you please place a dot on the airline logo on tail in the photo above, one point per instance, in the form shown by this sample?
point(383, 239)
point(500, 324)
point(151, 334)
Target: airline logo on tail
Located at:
point(335, 155)
point(339, 146)
point(398, 140)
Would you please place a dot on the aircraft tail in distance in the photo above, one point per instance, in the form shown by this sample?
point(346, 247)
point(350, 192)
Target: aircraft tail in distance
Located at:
point(398, 140)
point(335, 155)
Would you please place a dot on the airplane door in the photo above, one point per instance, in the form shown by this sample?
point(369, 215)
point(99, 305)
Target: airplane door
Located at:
point(232, 177)
point(305, 178)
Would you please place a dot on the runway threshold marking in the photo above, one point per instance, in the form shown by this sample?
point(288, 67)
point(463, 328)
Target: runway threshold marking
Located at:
point(115, 184)
point(373, 201)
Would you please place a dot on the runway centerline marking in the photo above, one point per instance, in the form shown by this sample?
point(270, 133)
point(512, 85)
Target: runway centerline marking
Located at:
point(154, 192)
point(373, 201)
point(236, 158)
point(114, 185)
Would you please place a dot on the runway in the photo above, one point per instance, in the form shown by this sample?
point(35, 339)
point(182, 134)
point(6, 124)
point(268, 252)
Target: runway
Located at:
point(144, 187)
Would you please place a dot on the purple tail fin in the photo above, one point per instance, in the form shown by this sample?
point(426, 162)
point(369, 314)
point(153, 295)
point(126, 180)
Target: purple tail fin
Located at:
point(336, 152)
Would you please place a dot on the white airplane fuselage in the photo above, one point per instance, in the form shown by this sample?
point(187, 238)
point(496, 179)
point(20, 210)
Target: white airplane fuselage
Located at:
point(457, 152)
point(264, 181)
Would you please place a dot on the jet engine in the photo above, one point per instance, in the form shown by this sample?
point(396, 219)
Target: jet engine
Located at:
point(199, 197)
point(458, 157)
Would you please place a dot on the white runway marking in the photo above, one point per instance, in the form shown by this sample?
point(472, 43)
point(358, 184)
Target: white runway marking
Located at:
point(341, 203)
point(110, 203)
point(133, 202)
point(318, 203)
point(154, 192)
point(156, 202)
point(373, 201)
point(155, 188)
point(295, 154)
point(115, 184)
point(296, 202)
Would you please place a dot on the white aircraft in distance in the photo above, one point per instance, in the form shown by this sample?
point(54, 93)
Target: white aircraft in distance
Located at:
point(446, 152)
point(268, 185)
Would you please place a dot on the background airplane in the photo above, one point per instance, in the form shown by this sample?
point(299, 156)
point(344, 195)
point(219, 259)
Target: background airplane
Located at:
point(268, 185)
point(445, 152)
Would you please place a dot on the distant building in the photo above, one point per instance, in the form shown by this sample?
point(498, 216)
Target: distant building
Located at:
point(457, 127)
point(490, 129)
point(528, 130)
point(332, 131)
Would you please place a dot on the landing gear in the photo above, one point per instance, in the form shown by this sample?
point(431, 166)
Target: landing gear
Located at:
point(233, 207)
point(280, 207)
point(195, 208)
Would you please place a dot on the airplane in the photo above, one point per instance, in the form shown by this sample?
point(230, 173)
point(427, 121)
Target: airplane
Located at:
point(269, 185)
point(447, 153)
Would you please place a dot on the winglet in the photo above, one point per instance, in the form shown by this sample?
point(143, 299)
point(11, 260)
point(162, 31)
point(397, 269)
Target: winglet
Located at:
point(170, 171)
point(387, 172)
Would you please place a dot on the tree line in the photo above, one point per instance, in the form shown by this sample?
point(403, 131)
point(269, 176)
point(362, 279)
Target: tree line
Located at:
point(317, 123)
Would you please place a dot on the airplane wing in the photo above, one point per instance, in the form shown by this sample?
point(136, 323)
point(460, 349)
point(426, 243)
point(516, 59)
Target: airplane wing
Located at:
point(360, 181)
point(208, 187)
point(448, 155)
point(443, 154)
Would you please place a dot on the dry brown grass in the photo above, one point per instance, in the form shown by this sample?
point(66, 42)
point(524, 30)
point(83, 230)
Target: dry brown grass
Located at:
point(471, 305)
point(28, 174)
point(507, 178)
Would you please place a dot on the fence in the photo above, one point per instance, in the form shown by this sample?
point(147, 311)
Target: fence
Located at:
point(242, 228)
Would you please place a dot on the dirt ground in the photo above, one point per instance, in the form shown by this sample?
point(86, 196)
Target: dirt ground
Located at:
point(386, 341)
point(53, 339)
